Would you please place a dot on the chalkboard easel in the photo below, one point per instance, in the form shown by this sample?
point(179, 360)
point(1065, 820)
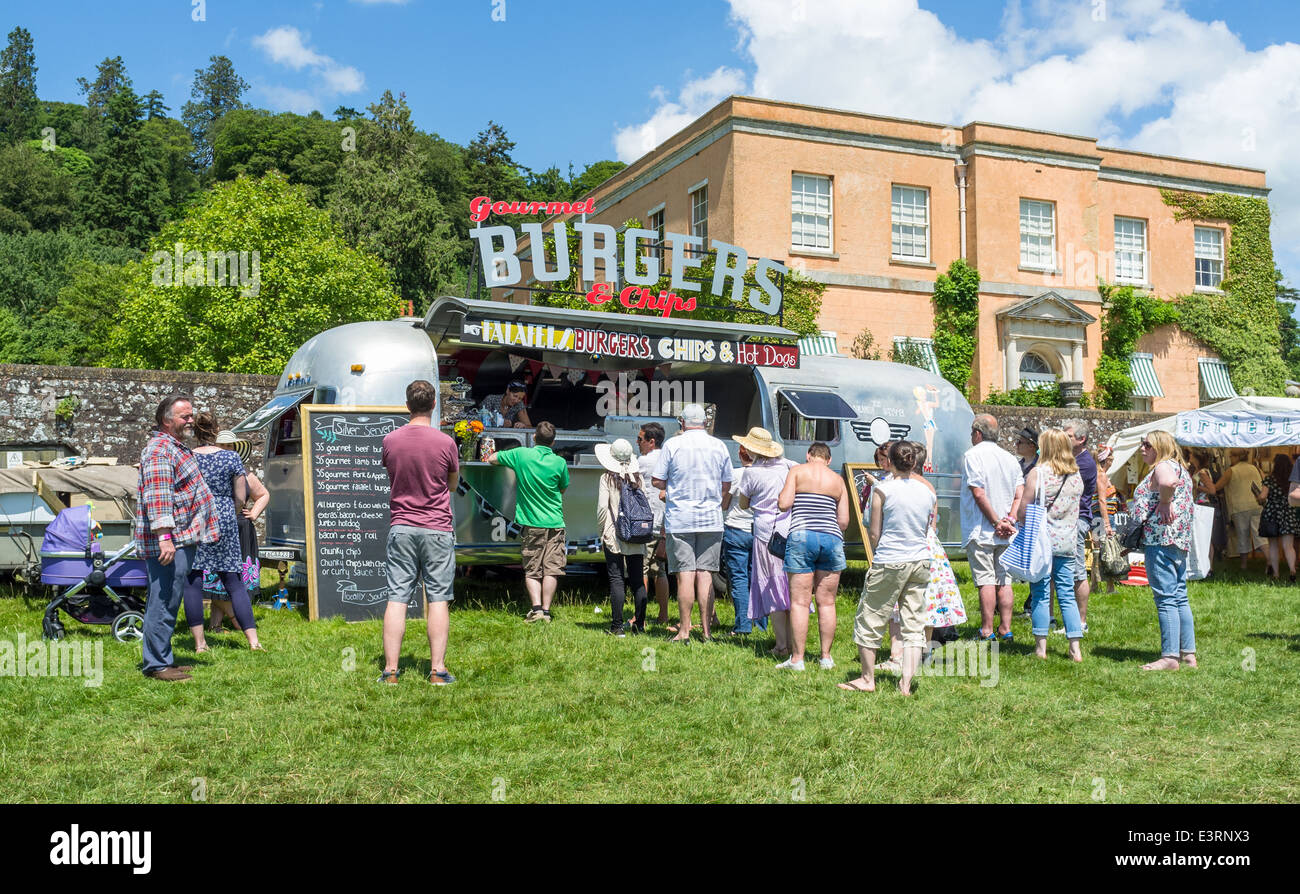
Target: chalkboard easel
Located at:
point(345, 496)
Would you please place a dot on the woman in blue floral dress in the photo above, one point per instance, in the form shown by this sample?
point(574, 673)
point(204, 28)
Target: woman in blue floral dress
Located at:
point(1164, 500)
point(223, 472)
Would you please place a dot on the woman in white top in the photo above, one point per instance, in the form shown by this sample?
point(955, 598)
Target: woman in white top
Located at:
point(622, 560)
point(1058, 486)
point(901, 509)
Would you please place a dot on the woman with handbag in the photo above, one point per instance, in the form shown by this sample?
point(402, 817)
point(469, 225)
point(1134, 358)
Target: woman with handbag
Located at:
point(1163, 503)
point(1058, 487)
point(1277, 522)
point(622, 560)
point(769, 588)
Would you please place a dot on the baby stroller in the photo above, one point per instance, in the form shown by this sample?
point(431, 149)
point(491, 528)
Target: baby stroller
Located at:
point(97, 585)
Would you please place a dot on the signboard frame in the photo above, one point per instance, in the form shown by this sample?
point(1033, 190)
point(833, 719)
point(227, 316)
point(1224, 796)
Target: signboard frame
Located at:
point(858, 510)
point(305, 414)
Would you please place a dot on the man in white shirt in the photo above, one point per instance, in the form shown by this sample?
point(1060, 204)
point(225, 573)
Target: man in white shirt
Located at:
point(650, 439)
point(695, 468)
point(992, 486)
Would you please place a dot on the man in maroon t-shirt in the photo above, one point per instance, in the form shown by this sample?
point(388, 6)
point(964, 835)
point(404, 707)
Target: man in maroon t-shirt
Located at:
point(423, 469)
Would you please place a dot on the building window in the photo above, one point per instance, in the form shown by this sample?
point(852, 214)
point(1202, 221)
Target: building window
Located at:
point(1130, 250)
point(657, 224)
point(1035, 372)
point(1209, 257)
point(1037, 235)
point(910, 217)
point(810, 212)
point(700, 221)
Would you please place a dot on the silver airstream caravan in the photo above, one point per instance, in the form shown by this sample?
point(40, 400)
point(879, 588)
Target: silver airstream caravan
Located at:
point(472, 349)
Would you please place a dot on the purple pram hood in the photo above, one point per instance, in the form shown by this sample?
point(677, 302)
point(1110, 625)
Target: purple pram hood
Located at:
point(69, 532)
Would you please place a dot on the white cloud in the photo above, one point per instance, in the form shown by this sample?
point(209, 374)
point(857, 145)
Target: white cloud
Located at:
point(289, 47)
point(696, 98)
point(1146, 76)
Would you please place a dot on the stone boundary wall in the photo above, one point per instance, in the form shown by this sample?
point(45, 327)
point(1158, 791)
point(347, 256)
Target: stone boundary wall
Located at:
point(117, 405)
point(1104, 423)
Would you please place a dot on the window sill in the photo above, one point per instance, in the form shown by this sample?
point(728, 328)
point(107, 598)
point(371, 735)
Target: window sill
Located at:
point(1207, 290)
point(813, 253)
point(903, 262)
point(1134, 284)
point(1046, 271)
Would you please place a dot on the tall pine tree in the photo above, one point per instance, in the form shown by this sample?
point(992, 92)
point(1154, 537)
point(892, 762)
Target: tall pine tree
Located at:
point(18, 103)
point(110, 77)
point(129, 198)
point(216, 91)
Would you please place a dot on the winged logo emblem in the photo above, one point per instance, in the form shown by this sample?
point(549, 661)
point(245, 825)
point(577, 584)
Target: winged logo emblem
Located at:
point(879, 430)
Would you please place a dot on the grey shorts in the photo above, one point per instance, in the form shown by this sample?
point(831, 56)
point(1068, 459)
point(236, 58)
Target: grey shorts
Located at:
point(985, 569)
point(694, 551)
point(415, 553)
point(1084, 528)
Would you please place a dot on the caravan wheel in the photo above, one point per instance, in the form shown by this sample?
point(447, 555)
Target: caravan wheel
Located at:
point(128, 627)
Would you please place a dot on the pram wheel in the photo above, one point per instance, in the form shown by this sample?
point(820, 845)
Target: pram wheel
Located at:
point(128, 627)
point(51, 628)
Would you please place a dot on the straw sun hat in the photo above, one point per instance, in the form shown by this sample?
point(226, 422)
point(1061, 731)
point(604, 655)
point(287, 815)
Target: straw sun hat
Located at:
point(759, 442)
point(617, 457)
point(230, 441)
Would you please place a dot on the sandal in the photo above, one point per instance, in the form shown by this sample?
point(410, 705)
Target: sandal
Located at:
point(389, 677)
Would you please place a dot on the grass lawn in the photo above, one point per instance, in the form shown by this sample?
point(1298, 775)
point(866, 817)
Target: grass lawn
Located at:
point(561, 712)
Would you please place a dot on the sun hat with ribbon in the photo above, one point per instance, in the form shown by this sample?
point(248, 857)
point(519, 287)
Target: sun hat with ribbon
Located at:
point(617, 457)
point(759, 442)
point(231, 441)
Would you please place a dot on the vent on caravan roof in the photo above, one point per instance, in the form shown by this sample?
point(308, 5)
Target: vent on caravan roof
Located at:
point(819, 404)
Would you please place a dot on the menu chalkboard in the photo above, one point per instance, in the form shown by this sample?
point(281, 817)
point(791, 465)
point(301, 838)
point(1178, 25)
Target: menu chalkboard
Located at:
point(346, 493)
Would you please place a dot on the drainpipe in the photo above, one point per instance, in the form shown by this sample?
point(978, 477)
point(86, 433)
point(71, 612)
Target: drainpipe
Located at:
point(960, 169)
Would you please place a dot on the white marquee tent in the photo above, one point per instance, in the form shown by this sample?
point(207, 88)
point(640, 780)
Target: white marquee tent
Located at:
point(1237, 422)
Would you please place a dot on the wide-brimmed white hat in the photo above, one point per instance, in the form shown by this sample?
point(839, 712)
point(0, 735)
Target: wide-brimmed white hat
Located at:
point(759, 442)
point(617, 457)
point(231, 441)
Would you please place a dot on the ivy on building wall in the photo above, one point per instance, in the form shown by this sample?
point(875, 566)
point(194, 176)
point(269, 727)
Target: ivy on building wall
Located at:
point(956, 315)
point(1127, 315)
point(1241, 324)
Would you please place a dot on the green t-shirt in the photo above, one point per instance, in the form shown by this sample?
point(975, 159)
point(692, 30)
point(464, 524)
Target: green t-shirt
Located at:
point(540, 478)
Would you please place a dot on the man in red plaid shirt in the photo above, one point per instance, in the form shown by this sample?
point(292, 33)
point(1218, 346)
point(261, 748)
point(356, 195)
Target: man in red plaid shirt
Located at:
point(174, 515)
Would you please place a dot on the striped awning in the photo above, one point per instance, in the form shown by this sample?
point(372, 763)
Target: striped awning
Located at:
point(819, 344)
point(1216, 384)
point(1142, 370)
point(924, 345)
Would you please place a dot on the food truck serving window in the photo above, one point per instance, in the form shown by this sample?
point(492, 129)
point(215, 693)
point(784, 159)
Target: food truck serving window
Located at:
point(272, 410)
point(818, 404)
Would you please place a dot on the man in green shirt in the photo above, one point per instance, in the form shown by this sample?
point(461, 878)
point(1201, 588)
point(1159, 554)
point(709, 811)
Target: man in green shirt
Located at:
point(541, 478)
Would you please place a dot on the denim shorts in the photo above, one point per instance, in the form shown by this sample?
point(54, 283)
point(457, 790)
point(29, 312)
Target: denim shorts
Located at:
point(808, 551)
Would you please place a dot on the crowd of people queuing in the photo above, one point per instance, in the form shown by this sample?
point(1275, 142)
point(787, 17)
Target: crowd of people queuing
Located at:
point(677, 506)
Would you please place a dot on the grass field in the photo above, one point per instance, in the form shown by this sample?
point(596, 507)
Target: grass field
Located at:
point(563, 713)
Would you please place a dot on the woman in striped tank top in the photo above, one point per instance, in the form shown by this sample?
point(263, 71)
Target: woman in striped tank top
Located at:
point(814, 552)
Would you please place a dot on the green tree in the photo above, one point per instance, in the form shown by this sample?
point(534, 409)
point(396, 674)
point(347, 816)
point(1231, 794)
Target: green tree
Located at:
point(76, 330)
point(153, 105)
point(19, 107)
point(110, 77)
point(308, 279)
point(386, 208)
point(129, 197)
point(592, 176)
point(67, 120)
point(36, 192)
point(956, 316)
point(491, 169)
point(252, 142)
point(175, 150)
point(1288, 327)
point(216, 91)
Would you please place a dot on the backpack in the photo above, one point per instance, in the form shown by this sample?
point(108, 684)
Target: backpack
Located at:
point(636, 521)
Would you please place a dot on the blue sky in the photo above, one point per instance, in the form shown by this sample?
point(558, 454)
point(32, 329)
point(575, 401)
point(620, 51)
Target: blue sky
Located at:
point(575, 81)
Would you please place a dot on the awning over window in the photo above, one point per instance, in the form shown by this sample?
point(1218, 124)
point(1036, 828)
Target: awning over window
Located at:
point(1142, 370)
point(819, 344)
point(1216, 384)
point(818, 404)
point(924, 345)
point(272, 410)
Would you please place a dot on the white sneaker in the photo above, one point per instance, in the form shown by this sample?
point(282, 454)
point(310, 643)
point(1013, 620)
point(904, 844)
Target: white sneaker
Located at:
point(826, 663)
point(790, 665)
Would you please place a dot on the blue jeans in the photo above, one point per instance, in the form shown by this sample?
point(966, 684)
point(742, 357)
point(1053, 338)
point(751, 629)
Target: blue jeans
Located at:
point(737, 553)
point(166, 590)
point(1167, 575)
point(808, 551)
point(1040, 599)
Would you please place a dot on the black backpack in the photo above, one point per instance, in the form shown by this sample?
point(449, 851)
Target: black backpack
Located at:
point(636, 521)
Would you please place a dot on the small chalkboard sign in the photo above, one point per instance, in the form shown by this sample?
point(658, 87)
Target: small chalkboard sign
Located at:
point(860, 478)
point(345, 488)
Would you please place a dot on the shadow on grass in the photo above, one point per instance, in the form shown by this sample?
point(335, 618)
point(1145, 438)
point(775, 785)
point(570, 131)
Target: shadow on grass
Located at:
point(1289, 637)
point(1125, 656)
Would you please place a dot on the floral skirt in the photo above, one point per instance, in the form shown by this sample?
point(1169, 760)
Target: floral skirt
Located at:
point(943, 603)
point(250, 568)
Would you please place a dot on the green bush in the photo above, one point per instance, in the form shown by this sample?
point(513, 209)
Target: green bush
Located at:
point(1026, 397)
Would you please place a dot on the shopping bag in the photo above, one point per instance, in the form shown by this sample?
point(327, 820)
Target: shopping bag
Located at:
point(1114, 558)
point(1198, 557)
